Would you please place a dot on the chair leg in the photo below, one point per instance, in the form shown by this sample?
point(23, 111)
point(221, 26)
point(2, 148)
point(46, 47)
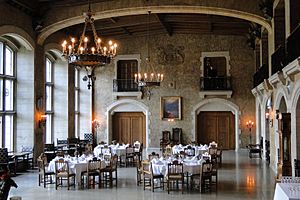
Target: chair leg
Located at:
point(68, 181)
point(45, 178)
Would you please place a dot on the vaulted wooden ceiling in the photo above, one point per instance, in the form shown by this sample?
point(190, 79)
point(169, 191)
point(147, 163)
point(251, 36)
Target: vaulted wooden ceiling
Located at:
point(137, 25)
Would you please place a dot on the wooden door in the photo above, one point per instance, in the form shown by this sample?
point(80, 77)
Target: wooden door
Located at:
point(216, 126)
point(129, 127)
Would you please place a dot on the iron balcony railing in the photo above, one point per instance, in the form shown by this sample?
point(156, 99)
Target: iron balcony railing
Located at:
point(278, 59)
point(215, 83)
point(293, 45)
point(125, 85)
point(261, 74)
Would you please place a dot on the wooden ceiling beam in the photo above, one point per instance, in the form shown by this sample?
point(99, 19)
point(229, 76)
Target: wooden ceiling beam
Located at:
point(165, 25)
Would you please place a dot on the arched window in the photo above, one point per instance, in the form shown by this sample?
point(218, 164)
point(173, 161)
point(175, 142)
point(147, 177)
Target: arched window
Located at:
point(7, 94)
point(49, 99)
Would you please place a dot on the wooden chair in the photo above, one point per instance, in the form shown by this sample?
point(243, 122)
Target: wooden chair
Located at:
point(297, 167)
point(62, 172)
point(107, 172)
point(5, 160)
point(149, 177)
point(165, 140)
point(206, 177)
point(214, 173)
point(176, 136)
point(139, 172)
point(168, 151)
point(138, 150)
point(129, 156)
point(212, 151)
point(50, 151)
point(73, 144)
point(45, 176)
point(175, 173)
point(92, 171)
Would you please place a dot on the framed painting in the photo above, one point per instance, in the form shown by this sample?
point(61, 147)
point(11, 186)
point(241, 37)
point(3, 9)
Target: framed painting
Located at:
point(170, 108)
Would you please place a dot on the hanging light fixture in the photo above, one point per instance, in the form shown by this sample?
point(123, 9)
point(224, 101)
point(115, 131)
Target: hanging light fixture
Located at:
point(148, 78)
point(88, 53)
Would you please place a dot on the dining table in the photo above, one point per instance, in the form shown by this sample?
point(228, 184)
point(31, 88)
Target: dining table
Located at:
point(77, 165)
point(190, 165)
point(201, 149)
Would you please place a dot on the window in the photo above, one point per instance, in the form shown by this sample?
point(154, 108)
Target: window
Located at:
point(7, 94)
point(49, 100)
point(76, 103)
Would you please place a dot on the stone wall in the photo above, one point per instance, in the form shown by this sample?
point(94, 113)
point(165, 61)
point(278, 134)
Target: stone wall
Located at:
point(186, 77)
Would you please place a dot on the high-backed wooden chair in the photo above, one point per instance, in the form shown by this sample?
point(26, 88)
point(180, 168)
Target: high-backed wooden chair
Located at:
point(206, 177)
point(92, 171)
point(176, 136)
point(45, 176)
point(110, 172)
point(175, 173)
point(149, 177)
point(165, 140)
point(62, 172)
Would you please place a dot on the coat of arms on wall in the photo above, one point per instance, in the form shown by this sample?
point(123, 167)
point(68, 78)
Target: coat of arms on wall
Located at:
point(170, 55)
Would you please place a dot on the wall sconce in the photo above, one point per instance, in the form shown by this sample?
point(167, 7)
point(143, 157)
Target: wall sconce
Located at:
point(171, 120)
point(249, 125)
point(269, 119)
point(42, 121)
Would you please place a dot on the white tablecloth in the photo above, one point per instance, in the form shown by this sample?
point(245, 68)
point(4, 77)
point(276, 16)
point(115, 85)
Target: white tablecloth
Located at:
point(189, 166)
point(76, 166)
point(119, 150)
point(198, 149)
point(287, 191)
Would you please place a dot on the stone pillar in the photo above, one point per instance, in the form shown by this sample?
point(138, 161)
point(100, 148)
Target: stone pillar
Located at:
point(71, 101)
point(39, 99)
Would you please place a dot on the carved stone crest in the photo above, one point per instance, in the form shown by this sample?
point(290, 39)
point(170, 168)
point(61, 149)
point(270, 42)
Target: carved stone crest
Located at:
point(170, 55)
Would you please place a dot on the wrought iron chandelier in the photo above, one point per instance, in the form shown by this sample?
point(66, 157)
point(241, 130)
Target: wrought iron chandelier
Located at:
point(89, 55)
point(148, 78)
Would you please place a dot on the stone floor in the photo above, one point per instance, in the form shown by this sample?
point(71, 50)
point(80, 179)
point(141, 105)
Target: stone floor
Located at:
point(239, 178)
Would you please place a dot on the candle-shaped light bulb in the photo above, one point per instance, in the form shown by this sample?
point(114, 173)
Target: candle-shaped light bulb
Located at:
point(140, 76)
point(110, 42)
point(135, 77)
point(81, 50)
point(85, 43)
point(98, 40)
point(158, 77)
point(104, 49)
point(152, 76)
point(161, 77)
point(93, 50)
point(70, 49)
point(64, 45)
point(145, 76)
point(73, 42)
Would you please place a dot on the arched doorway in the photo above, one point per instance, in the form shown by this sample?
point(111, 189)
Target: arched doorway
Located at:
point(220, 108)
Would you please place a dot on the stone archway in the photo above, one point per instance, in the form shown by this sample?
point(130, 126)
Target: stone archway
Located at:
point(217, 104)
point(126, 105)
